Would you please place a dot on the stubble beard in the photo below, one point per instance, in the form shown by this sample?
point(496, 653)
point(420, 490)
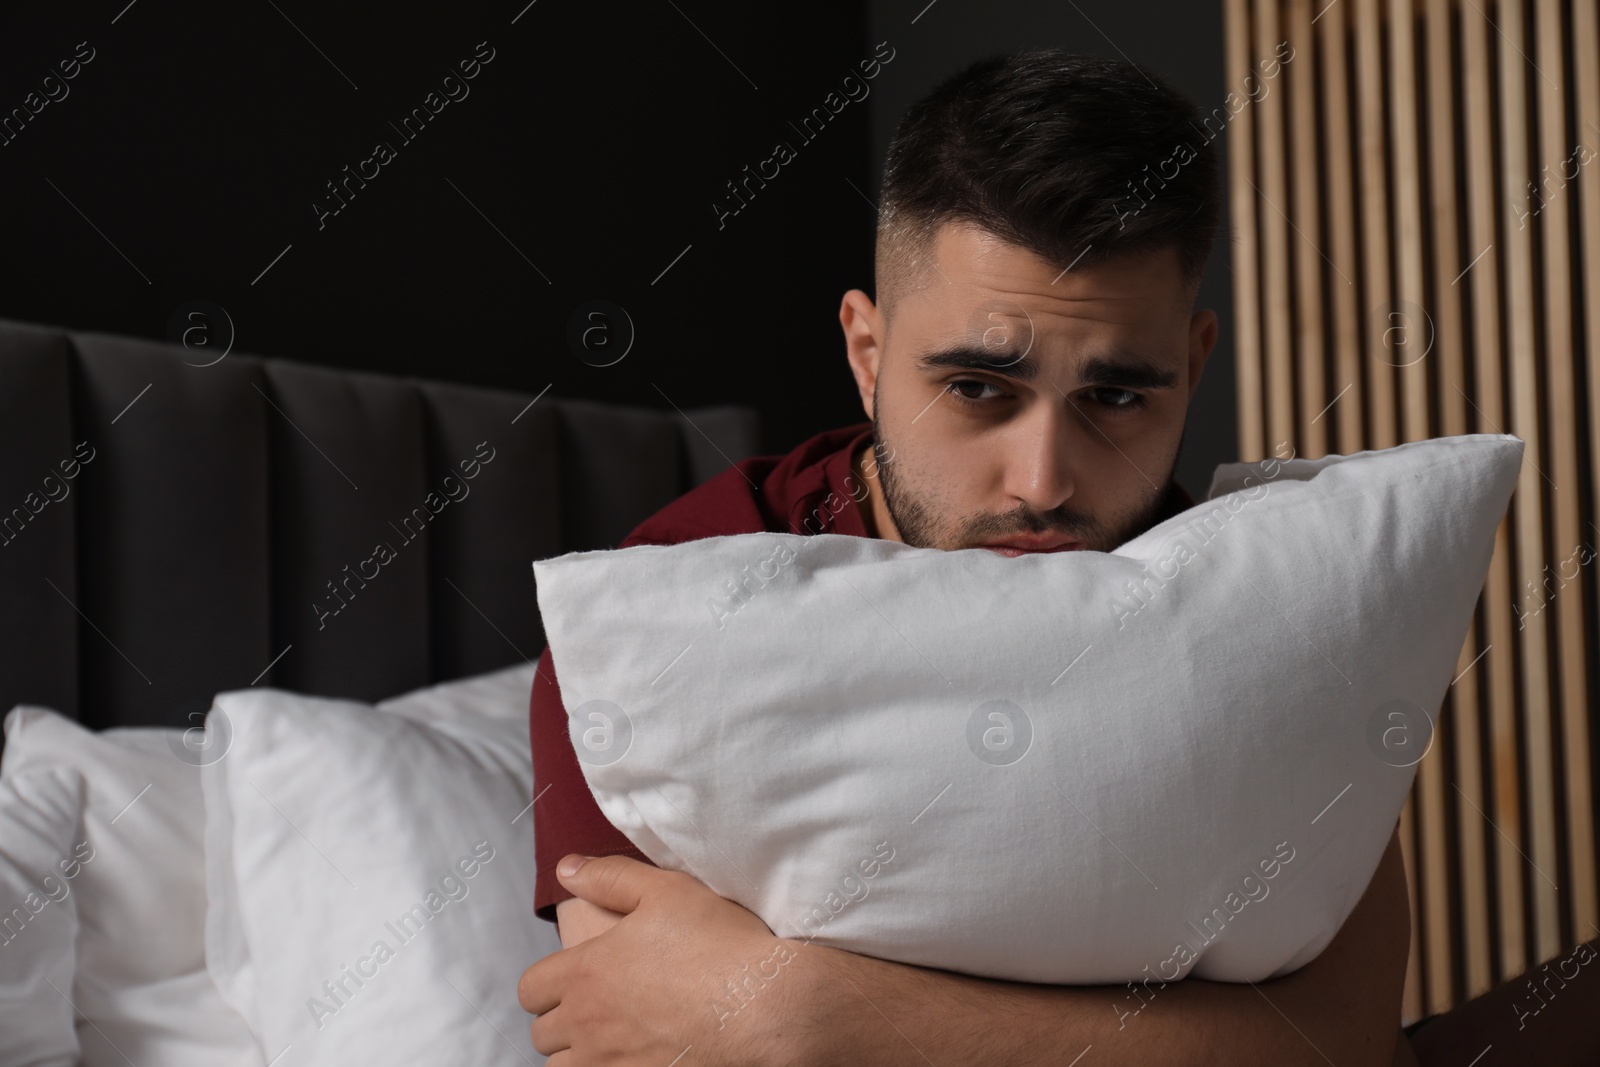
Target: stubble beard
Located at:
point(917, 520)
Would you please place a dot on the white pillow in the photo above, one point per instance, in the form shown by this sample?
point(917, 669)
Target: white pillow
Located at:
point(41, 855)
point(1186, 756)
point(140, 984)
point(503, 693)
point(327, 824)
point(140, 974)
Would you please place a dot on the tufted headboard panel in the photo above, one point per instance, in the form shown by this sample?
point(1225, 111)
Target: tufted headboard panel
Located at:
point(169, 530)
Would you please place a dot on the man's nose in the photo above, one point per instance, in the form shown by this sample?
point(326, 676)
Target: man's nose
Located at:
point(1040, 458)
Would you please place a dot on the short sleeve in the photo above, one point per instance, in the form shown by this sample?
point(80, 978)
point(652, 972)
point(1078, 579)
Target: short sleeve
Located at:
point(566, 818)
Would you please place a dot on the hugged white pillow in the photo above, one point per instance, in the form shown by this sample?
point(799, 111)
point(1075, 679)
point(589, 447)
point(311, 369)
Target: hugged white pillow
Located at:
point(371, 874)
point(1182, 757)
point(139, 986)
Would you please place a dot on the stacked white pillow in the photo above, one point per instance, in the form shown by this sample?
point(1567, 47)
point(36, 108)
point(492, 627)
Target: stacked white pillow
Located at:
point(41, 856)
point(370, 873)
point(181, 896)
point(1183, 757)
point(137, 978)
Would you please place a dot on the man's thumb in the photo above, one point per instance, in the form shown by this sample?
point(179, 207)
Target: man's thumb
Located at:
point(611, 882)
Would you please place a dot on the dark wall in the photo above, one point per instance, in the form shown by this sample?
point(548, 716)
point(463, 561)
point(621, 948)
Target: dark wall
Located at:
point(185, 168)
point(183, 161)
point(1179, 41)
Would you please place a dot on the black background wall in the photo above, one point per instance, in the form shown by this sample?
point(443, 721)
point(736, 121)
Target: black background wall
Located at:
point(186, 167)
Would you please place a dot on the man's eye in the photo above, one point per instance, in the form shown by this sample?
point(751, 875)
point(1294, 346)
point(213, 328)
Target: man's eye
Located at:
point(955, 389)
point(1119, 398)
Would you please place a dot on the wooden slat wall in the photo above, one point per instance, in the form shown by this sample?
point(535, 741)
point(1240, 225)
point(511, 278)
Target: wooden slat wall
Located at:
point(1416, 212)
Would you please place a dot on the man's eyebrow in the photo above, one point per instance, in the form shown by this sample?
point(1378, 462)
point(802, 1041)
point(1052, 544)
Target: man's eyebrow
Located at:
point(1126, 372)
point(1121, 370)
point(999, 361)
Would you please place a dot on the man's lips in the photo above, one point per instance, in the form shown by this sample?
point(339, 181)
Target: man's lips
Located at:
point(1017, 546)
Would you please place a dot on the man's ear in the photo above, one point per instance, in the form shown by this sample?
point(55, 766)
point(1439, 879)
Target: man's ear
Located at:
point(1202, 339)
point(863, 342)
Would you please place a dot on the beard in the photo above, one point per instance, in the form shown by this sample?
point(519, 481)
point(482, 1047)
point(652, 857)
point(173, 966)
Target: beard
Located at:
point(917, 515)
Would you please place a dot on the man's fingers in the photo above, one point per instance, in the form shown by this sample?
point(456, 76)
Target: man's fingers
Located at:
point(550, 1037)
point(539, 988)
point(616, 883)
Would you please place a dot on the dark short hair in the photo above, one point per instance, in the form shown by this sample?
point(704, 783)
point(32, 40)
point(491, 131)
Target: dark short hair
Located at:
point(1069, 156)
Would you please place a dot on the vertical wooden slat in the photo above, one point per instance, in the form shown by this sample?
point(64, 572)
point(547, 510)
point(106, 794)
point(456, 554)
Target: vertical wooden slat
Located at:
point(1409, 364)
point(1377, 296)
point(1272, 163)
point(1410, 357)
point(1246, 272)
point(1346, 414)
point(1500, 829)
point(1299, 82)
point(1483, 271)
point(1461, 724)
point(1586, 38)
point(1554, 224)
point(1375, 234)
point(1444, 213)
point(1527, 513)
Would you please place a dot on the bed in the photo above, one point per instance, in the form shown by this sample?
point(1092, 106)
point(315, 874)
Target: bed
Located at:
point(171, 529)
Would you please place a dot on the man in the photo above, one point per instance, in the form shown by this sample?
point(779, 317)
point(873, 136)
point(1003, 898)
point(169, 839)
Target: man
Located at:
point(1027, 367)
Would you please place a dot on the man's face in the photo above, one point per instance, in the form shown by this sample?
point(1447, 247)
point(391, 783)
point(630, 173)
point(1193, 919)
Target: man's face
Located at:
point(1018, 402)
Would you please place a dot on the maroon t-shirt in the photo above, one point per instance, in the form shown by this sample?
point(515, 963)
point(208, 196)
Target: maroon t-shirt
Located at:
point(811, 490)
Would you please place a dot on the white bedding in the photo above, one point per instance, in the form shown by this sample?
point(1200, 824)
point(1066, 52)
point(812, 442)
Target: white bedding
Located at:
point(200, 923)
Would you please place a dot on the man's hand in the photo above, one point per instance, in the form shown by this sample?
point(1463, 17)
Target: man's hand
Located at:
point(677, 969)
point(683, 967)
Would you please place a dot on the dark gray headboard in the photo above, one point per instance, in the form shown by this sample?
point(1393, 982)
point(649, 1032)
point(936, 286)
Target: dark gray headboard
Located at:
point(191, 550)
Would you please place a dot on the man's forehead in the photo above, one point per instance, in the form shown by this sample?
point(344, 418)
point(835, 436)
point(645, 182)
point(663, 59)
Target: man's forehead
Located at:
point(977, 268)
point(996, 308)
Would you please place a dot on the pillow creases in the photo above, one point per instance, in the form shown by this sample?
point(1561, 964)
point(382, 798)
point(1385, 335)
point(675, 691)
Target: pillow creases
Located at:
point(1182, 757)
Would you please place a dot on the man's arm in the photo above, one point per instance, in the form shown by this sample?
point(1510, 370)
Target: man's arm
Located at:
point(1343, 1007)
